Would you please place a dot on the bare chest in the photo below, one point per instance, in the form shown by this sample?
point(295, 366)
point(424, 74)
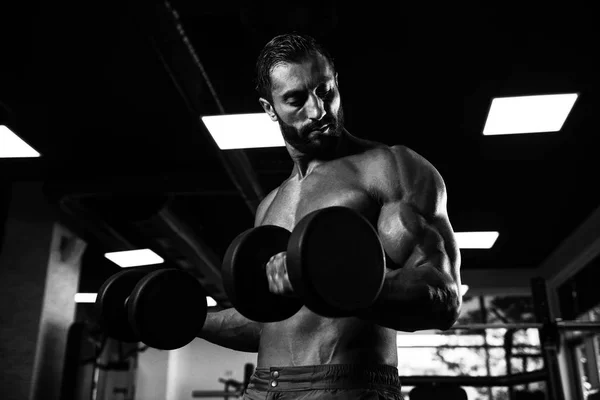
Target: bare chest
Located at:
point(340, 183)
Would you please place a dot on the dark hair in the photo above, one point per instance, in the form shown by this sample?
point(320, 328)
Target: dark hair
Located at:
point(289, 48)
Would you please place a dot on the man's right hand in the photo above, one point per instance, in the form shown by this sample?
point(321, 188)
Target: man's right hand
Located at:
point(276, 269)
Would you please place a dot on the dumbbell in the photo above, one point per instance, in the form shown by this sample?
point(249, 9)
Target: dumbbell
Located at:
point(335, 263)
point(164, 308)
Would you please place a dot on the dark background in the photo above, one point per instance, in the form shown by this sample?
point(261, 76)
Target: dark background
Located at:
point(111, 94)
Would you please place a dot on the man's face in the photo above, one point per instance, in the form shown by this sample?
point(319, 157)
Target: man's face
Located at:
point(306, 104)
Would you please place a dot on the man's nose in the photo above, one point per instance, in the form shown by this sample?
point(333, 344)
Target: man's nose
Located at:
point(315, 108)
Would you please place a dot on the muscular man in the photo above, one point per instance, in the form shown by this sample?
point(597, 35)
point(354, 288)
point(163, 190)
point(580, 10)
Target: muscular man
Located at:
point(397, 190)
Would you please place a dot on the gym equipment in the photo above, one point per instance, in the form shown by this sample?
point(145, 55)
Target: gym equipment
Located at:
point(164, 308)
point(335, 264)
point(111, 302)
point(244, 276)
point(238, 387)
point(427, 392)
point(550, 330)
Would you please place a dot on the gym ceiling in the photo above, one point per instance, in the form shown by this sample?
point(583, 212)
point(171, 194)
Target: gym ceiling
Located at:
point(111, 94)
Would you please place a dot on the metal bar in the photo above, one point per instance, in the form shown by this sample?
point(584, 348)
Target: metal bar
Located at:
point(470, 346)
point(578, 325)
point(171, 37)
point(548, 338)
point(560, 325)
point(479, 326)
point(478, 381)
point(526, 355)
point(488, 366)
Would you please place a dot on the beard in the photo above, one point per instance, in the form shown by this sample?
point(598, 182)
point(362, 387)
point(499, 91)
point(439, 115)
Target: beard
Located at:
point(319, 145)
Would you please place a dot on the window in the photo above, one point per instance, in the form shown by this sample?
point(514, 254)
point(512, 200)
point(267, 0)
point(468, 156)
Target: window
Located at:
point(481, 352)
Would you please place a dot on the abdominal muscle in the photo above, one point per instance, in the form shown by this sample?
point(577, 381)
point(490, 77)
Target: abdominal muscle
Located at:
point(309, 339)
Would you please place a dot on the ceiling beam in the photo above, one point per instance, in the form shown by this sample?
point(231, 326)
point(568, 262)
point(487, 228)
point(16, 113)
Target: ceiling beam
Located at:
point(574, 252)
point(183, 64)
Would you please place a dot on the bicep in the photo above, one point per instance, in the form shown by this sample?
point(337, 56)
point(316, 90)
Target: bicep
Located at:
point(414, 216)
point(425, 245)
point(403, 230)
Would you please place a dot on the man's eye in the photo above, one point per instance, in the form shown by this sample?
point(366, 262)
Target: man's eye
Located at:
point(325, 93)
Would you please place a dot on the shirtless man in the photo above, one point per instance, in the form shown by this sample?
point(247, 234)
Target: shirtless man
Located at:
point(397, 190)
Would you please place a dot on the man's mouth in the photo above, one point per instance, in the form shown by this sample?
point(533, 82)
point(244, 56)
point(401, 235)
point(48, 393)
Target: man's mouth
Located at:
point(323, 129)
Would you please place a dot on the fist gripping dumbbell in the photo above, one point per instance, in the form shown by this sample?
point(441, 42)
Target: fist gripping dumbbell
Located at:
point(334, 260)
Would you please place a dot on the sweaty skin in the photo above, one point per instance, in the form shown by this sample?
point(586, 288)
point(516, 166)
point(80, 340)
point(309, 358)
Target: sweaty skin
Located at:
point(307, 338)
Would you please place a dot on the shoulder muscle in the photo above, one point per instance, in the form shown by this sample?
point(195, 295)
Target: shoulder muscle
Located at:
point(264, 206)
point(414, 180)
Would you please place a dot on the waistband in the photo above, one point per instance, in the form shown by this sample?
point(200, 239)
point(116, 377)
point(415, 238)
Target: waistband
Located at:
point(336, 376)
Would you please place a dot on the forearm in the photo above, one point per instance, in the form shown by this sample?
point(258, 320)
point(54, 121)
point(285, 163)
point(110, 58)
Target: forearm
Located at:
point(415, 299)
point(228, 328)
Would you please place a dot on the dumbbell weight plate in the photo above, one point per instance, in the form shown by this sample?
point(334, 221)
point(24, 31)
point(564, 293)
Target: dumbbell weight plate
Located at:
point(245, 279)
point(167, 309)
point(336, 262)
point(110, 302)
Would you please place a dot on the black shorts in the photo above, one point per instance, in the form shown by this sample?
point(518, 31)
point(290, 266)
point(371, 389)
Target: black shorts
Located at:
point(325, 382)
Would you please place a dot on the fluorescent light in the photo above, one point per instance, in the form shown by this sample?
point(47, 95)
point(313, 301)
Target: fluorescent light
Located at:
point(134, 258)
point(528, 114)
point(476, 240)
point(210, 302)
point(85, 297)
point(12, 146)
point(244, 131)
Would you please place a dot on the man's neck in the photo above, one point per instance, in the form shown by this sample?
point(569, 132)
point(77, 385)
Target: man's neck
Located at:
point(304, 165)
point(303, 168)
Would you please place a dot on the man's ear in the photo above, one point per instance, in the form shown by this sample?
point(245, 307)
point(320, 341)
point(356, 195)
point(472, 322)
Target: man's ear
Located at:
point(268, 109)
